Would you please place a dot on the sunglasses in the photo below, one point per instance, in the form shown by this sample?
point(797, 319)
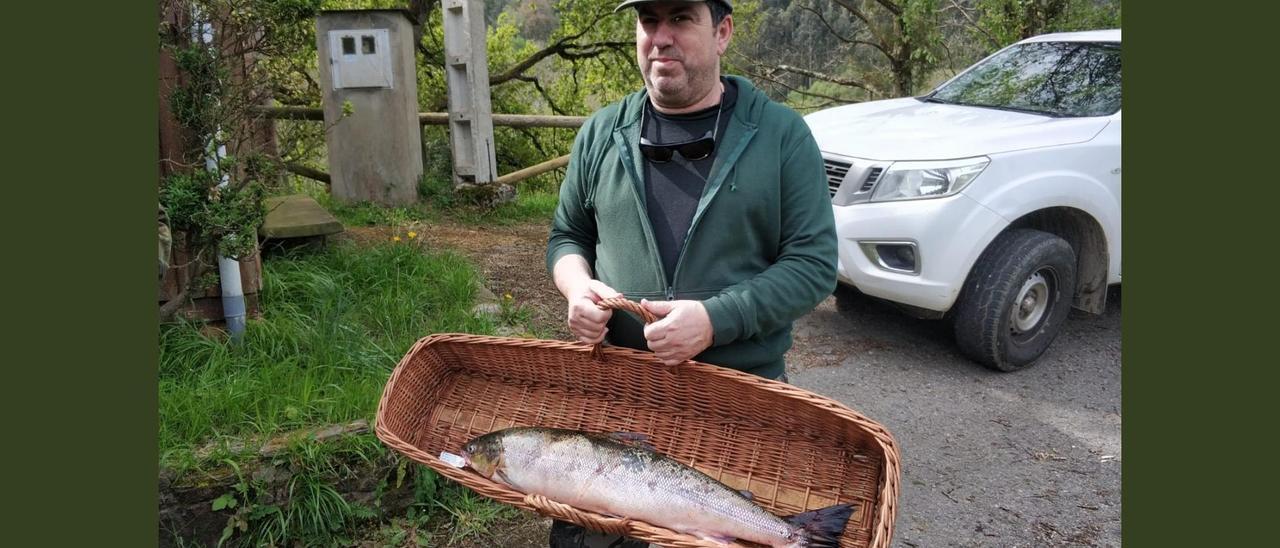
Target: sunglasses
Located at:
point(696, 149)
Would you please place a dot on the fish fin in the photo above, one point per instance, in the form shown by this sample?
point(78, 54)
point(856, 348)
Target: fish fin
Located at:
point(750, 496)
point(633, 439)
point(822, 527)
point(501, 476)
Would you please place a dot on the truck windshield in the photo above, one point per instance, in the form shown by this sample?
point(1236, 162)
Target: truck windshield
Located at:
point(1065, 79)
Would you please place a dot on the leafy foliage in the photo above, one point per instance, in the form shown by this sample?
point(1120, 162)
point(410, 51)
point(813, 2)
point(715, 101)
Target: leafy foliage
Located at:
point(1006, 21)
point(225, 218)
point(854, 50)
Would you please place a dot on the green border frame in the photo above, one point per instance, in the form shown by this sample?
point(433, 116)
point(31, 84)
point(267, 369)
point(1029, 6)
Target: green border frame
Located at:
point(80, 186)
point(1197, 468)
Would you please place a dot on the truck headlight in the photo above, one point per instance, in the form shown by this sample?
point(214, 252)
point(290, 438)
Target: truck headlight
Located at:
point(915, 180)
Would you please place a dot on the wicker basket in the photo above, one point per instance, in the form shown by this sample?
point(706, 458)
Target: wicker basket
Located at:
point(794, 450)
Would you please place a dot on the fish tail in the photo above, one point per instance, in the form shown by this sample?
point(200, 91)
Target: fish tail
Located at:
point(821, 528)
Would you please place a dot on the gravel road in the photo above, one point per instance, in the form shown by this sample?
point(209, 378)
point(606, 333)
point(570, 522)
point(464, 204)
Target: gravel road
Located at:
point(1030, 458)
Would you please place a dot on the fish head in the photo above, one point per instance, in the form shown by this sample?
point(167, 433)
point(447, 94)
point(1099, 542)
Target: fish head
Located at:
point(483, 454)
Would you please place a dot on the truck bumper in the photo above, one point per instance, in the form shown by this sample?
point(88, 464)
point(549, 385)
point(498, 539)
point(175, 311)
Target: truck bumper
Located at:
point(948, 236)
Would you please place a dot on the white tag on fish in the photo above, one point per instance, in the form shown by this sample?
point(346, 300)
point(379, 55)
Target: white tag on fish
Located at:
point(453, 460)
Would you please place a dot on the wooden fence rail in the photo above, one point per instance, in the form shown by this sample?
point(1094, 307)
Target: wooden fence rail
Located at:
point(438, 118)
point(433, 118)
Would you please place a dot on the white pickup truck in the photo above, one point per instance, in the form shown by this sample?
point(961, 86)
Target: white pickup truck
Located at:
point(994, 200)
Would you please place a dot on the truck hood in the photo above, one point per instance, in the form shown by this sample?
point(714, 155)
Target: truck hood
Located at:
point(907, 129)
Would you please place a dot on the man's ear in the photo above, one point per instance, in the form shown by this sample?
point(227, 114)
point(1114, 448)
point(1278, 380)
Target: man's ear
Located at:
point(724, 32)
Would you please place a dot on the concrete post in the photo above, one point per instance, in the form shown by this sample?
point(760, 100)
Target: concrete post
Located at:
point(367, 60)
point(470, 109)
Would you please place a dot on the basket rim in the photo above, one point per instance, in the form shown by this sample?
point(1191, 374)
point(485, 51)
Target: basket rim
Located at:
point(883, 519)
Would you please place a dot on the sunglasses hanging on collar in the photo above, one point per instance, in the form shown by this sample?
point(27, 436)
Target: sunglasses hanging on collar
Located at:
point(696, 149)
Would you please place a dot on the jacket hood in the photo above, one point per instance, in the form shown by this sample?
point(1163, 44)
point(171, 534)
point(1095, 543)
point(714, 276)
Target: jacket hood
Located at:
point(908, 129)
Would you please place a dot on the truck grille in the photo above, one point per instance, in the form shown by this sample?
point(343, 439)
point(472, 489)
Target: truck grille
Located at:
point(872, 177)
point(836, 172)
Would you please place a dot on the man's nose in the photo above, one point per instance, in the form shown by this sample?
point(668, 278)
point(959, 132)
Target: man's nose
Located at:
point(662, 35)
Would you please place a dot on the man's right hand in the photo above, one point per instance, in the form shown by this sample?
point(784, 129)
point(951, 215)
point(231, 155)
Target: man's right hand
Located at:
point(573, 278)
point(586, 320)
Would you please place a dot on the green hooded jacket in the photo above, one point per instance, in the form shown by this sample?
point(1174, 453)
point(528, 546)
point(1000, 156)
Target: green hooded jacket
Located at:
point(761, 250)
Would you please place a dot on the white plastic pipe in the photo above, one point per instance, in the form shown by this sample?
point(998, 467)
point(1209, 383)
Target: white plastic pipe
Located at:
point(233, 304)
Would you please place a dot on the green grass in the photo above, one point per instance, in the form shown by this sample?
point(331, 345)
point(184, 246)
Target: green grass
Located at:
point(529, 205)
point(535, 201)
point(470, 515)
point(443, 514)
point(334, 324)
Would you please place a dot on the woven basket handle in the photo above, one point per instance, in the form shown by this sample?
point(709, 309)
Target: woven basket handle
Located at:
point(620, 303)
point(548, 507)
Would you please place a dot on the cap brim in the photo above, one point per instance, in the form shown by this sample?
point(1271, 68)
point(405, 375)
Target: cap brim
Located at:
point(630, 3)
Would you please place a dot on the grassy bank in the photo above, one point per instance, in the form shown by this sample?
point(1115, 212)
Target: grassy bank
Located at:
point(333, 326)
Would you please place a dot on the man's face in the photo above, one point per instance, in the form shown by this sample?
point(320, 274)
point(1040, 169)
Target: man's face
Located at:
point(678, 50)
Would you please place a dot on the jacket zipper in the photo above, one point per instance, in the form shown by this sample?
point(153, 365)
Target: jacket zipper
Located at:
point(644, 218)
point(697, 217)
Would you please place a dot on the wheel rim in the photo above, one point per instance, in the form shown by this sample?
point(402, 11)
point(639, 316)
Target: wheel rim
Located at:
point(1033, 302)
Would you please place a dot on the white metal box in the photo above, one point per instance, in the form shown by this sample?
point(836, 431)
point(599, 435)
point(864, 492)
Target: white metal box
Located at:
point(360, 58)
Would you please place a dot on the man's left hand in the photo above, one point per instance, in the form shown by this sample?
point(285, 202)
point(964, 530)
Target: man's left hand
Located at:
point(681, 332)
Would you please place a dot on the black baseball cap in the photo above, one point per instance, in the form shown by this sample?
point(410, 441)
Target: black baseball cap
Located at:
point(629, 3)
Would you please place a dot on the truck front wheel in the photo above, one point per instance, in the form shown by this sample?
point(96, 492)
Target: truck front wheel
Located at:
point(1016, 299)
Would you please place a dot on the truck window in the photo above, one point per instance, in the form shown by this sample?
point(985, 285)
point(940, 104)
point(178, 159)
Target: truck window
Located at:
point(1062, 79)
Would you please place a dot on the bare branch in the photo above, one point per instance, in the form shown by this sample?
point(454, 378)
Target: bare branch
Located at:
point(893, 8)
point(308, 172)
point(545, 96)
point(852, 8)
point(769, 78)
point(171, 306)
point(826, 77)
point(844, 39)
point(195, 269)
point(974, 24)
point(562, 48)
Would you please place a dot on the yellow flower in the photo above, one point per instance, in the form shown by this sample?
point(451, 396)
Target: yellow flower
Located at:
point(395, 238)
point(507, 296)
point(412, 234)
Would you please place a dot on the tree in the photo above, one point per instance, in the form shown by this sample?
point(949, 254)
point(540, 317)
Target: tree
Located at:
point(216, 56)
point(998, 23)
point(883, 47)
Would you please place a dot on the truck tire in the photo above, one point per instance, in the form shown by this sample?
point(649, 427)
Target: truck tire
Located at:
point(1016, 299)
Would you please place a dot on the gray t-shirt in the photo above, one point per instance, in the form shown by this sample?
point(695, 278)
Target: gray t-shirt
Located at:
point(672, 189)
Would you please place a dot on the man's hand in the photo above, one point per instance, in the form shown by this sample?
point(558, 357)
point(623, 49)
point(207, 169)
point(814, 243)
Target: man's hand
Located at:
point(586, 320)
point(573, 278)
point(682, 331)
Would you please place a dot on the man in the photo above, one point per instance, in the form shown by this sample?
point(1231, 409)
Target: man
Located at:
point(700, 197)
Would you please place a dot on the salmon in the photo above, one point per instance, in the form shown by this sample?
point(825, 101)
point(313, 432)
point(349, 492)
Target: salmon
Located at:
point(621, 475)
